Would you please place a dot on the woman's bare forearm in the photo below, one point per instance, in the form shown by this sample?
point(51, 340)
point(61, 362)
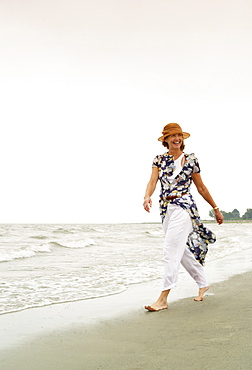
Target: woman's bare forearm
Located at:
point(207, 196)
point(203, 191)
point(151, 186)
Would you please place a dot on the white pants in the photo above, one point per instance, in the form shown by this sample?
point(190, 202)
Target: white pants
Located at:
point(177, 225)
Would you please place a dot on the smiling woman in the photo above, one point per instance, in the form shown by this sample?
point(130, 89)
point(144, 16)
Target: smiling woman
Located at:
point(173, 140)
point(186, 238)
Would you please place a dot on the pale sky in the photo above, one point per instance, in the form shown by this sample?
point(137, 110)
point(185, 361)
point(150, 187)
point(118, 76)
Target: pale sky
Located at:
point(87, 87)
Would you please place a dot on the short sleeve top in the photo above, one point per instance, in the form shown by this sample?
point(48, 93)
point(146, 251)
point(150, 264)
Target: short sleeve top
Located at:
point(179, 186)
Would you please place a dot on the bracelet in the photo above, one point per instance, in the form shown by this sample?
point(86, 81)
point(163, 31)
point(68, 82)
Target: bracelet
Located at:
point(215, 208)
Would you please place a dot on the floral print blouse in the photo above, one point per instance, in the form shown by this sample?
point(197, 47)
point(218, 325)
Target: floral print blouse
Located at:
point(200, 237)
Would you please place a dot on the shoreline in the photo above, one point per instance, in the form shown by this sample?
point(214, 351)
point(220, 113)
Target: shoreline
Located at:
point(213, 334)
point(23, 326)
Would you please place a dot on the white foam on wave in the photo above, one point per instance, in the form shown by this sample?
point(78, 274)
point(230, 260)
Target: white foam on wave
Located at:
point(76, 244)
point(99, 230)
point(25, 252)
point(5, 257)
point(32, 251)
point(63, 230)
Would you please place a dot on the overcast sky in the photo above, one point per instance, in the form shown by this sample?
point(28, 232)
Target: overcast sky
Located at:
point(87, 86)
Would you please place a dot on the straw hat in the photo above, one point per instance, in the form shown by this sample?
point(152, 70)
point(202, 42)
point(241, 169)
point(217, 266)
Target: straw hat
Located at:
point(171, 129)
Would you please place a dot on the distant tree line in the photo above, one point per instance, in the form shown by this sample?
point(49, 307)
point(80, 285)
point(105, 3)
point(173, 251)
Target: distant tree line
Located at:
point(235, 214)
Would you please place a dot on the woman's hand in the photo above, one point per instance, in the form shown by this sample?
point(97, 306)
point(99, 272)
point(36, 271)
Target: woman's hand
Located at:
point(147, 204)
point(218, 216)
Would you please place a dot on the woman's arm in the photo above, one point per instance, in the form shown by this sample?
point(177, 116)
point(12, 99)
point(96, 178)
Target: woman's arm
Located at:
point(150, 189)
point(202, 189)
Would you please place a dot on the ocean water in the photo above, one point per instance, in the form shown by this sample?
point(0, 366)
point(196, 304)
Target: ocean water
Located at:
point(47, 264)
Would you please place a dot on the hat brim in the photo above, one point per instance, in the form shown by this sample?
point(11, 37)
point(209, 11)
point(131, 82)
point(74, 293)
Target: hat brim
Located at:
point(185, 135)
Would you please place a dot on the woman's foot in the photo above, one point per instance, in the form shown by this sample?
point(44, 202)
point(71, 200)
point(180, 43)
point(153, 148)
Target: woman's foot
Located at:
point(157, 306)
point(161, 303)
point(202, 291)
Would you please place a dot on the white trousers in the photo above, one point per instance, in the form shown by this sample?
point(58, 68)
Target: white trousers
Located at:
point(177, 225)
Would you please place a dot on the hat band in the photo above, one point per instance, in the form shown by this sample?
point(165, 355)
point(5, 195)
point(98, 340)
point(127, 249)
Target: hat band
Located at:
point(173, 132)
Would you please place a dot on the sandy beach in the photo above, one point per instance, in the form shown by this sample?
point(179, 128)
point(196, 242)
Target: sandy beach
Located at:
point(213, 334)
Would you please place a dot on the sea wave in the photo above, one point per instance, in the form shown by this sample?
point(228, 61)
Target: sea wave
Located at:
point(76, 244)
point(39, 237)
point(32, 251)
point(62, 230)
point(95, 260)
point(98, 229)
point(12, 307)
point(24, 252)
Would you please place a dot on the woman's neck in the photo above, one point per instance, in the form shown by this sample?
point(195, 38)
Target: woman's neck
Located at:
point(176, 153)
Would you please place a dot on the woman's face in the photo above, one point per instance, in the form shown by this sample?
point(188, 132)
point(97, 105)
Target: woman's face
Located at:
point(174, 141)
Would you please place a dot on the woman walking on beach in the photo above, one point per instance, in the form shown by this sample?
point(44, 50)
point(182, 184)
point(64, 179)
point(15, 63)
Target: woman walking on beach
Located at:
point(186, 238)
